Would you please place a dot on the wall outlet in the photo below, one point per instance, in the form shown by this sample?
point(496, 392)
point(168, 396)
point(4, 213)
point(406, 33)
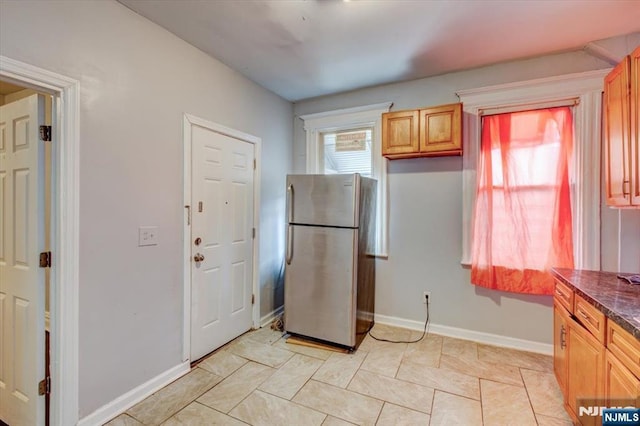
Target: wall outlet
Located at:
point(426, 295)
point(147, 236)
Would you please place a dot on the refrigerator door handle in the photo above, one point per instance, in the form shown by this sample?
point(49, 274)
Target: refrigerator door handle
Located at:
point(290, 195)
point(289, 255)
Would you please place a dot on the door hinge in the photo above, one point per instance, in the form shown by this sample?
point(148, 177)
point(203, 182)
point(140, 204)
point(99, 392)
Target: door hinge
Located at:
point(45, 259)
point(44, 386)
point(254, 164)
point(253, 233)
point(253, 299)
point(45, 133)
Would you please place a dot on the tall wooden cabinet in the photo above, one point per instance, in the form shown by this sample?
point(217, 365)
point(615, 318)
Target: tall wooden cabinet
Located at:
point(621, 135)
point(425, 132)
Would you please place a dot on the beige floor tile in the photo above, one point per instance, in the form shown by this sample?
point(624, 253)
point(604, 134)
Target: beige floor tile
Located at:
point(388, 332)
point(458, 348)
point(346, 405)
point(393, 415)
point(399, 392)
point(236, 387)
point(265, 335)
point(339, 369)
point(451, 409)
point(334, 421)
point(425, 353)
point(504, 404)
point(196, 414)
point(123, 420)
point(385, 359)
point(445, 380)
point(485, 370)
point(544, 393)
point(429, 338)
point(172, 398)
point(552, 421)
point(222, 363)
point(289, 378)
point(261, 353)
point(522, 359)
point(263, 409)
point(303, 350)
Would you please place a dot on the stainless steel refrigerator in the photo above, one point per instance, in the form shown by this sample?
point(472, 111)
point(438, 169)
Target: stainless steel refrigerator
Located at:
point(329, 287)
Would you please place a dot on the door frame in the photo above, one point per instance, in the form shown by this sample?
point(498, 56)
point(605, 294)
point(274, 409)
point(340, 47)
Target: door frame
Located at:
point(189, 121)
point(65, 214)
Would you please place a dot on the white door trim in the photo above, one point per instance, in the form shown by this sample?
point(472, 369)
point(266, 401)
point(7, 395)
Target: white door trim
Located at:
point(188, 121)
point(65, 216)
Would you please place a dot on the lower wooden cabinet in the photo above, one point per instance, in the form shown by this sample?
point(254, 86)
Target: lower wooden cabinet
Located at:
point(584, 369)
point(560, 324)
point(619, 382)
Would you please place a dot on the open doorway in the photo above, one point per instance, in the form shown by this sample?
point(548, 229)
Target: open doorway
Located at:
point(62, 236)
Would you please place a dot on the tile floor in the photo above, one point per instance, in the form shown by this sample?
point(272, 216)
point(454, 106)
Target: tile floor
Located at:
point(259, 379)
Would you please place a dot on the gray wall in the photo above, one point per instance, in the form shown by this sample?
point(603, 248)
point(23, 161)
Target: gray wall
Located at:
point(425, 198)
point(137, 80)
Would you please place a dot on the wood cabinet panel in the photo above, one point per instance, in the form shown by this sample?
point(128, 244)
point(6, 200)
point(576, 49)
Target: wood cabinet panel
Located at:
point(440, 130)
point(619, 382)
point(584, 368)
point(634, 108)
point(617, 133)
point(564, 296)
point(624, 346)
point(400, 132)
point(560, 324)
point(590, 317)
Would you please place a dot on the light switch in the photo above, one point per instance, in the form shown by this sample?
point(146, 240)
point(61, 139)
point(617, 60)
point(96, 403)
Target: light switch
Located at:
point(147, 236)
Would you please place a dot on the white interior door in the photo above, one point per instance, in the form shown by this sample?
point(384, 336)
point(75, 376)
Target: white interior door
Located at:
point(221, 238)
point(22, 336)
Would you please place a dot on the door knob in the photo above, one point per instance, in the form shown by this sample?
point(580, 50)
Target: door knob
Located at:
point(198, 257)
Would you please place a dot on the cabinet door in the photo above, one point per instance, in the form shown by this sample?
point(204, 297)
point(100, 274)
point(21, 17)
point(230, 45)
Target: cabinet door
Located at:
point(560, 316)
point(400, 133)
point(617, 132)
point(441, 130)
point(584, 370)
point(620, 385)
point(635, 127)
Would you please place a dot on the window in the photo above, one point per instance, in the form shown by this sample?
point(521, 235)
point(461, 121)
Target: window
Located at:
point(349, 141)
point(351, 154)
point(522, 217)
point(582, 89)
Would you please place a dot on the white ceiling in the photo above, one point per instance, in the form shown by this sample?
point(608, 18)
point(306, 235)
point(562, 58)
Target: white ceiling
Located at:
point(306, 48)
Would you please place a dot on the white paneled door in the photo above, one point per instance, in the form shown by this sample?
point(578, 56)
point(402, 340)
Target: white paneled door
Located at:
point(22, 307)
point(222, 207)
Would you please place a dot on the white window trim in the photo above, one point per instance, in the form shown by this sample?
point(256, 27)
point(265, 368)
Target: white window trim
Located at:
point(587, 88)
point(364, 116)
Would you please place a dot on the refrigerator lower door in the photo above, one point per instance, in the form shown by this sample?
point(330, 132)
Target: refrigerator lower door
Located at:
point(320, 284)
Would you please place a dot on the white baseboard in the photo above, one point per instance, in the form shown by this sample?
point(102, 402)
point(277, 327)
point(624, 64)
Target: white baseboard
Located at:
point(476, 336)
point(267, 319)
point(131, 398)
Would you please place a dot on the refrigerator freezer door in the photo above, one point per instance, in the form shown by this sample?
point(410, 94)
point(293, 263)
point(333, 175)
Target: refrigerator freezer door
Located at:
point(320, 284)
point(327, 200)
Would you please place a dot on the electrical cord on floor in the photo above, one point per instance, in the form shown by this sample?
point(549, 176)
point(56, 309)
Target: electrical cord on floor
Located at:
point(424, 333)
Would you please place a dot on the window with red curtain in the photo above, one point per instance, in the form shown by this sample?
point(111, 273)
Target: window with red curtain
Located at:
point(522, 224)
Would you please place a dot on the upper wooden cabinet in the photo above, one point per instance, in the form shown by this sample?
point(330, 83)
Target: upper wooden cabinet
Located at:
point(622, 154)
point(426, 132)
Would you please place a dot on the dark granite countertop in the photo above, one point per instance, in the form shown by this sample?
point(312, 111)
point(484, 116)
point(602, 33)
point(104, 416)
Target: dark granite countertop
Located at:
point(616, 298)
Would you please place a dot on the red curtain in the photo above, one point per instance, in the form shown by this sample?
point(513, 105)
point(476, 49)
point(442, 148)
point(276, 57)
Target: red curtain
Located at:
point(522, 224)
